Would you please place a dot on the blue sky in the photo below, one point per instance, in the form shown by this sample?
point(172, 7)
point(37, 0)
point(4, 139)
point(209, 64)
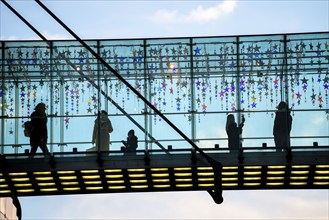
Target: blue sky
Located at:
point(150, 19)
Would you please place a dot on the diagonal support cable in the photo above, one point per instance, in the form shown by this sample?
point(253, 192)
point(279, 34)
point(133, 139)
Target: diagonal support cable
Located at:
point(122, 79)
point(87, 78)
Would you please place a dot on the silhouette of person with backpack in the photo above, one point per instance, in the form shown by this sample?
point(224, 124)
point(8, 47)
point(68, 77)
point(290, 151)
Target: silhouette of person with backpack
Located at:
point(38, 130)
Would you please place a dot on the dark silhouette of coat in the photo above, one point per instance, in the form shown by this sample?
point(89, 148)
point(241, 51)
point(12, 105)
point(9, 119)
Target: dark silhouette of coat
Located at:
point(233, 132)
point(282, 128)
point(39, 132)
point(131, 144)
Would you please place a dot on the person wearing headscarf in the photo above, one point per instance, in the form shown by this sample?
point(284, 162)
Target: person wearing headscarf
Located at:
point(101, 133)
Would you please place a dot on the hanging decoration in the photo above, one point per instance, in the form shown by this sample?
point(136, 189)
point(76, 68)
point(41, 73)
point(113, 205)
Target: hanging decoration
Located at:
point(175, 77)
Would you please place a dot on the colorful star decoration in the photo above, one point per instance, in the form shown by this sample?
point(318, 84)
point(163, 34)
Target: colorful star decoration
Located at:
point(218, 77)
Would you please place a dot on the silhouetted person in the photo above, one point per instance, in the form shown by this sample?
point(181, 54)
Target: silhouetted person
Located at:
point(39, 133)
point(233, 132)
point(282, 127)
point(104, 126)
point(131, 143)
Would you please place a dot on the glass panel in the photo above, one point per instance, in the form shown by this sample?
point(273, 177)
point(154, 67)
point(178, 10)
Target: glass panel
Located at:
point(194, 82)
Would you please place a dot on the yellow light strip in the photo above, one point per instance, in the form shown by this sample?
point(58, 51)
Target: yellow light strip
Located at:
point(117, 187)
point(300, 166)
point(136, 170)
point(93, 182)
point(251, 184)
point(251, 178)
point(89, 171)
point(298, 177)
point(66, 172)
point(25, 190)
point(4, 186)
point(69, 183)
point(115, 181)
point(275, 178)
point(320, 183)
point(137, 175)
point(140, 187)
point(22, 184)
point(182, 168)
point(114, 176)
point(67, 177)
point(206, 179)
point(160, 174)
point(276, 167)
point(321, 177)
point(113, 171)
point(49, 190)
point(299, 172)
point(275, 172)
point(94, 188)
point(159, 169)
point(20, 179)
point(252, 173)
point(18, 174)
point(206, 174)
point(46, 184)
point(161, 186)
point(230, 168)
point(206, 185)
point(161, 180)
point(322, 172)
point(253, 167)
point(298, 183)
point(275, 184)
point(183, 174)
point(2, 180)
point(229, 173)
point(230, 179)
point(91, 177)
point(204, 168)
point(183, 180)
point(322, 166)
point(184, 185)
point(44, 178)
point(138, 181)
point(229, 184)
point(42, 173)
point(5, 191)
point(71, 189)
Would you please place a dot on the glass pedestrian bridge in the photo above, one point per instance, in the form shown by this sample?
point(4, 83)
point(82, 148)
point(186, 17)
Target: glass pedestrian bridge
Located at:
point(192, 82)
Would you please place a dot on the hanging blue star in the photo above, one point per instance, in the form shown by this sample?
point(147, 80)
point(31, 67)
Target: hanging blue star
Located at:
point(197, 50)
point(178, 107)
point(253, 105)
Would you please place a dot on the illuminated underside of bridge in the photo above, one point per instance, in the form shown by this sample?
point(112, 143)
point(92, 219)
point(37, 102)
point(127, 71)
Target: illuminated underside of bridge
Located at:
point(307, 168)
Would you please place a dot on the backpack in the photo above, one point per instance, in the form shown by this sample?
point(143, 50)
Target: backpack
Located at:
point(27, 128)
